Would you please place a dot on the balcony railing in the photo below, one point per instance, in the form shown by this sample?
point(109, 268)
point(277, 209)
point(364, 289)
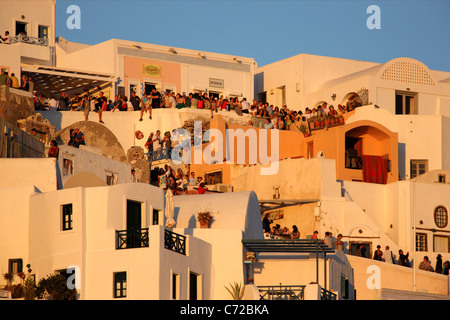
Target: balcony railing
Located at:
point(281, 292)
point(132, 238)
point(327, 295)
point(30, 40)
point(175, 242)
point(161, 154)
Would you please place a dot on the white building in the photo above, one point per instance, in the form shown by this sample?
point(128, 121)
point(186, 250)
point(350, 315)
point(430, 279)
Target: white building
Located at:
point(37, 20)
point(401, 86)
point(140, 67)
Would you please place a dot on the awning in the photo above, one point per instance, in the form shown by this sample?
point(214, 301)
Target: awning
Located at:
point(51, 81)
point(268, 205)
point(292, 246)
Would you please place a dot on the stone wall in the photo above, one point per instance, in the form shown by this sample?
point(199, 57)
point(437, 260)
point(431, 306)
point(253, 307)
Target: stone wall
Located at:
point(19, 105)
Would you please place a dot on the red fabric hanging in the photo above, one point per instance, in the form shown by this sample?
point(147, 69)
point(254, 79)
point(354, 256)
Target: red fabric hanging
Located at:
point(374, 169)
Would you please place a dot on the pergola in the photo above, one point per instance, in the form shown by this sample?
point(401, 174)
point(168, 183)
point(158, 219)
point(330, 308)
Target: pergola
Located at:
point(274, 204)
point(292, 246)
point(51, 81)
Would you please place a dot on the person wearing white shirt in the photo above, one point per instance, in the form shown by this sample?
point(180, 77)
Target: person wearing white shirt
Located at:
point(133, 176)
point(52, 104)
point(245, 105)
point(388, 256)
point(157, 141)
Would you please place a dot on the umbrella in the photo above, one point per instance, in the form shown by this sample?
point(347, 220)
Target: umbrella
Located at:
point(169, 210)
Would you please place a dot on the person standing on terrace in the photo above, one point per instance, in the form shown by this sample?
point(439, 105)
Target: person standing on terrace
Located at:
point(146, 105)
point(180, 102)
point(102, 105)
point(3, 92)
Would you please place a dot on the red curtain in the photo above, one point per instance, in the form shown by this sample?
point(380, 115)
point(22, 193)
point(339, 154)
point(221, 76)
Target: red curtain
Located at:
point(374, 169)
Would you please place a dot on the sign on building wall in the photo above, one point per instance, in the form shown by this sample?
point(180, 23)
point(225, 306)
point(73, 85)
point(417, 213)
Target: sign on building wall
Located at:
point(216, 83)
point(152, 70)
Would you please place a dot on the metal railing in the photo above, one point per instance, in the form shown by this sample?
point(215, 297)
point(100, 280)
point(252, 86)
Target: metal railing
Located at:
point(175, 242)
point(327, 295)
point(161, 154)
point(132, 238)
point(281, 292)
point(30, 40)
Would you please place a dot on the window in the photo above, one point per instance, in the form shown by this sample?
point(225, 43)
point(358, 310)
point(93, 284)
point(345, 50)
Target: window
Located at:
point(155, 217)
point(67, 219)
point(344, 287)
point(193, 286)
point(120, 284)
point(418, 167)
point(175, 286)
point(68, 167)
point(405, 103)
point(421, 242)
point(441, 244)
point(441, 217)
point(43, 32)
point(15, 266)
point(111, 178)
point(213, 177)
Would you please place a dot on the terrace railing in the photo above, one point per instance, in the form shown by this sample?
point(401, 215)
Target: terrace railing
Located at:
point(175, 242)
point(281, 292)
point(161, 154)
point(132, 238)
point(30, 40)
point(327, 295)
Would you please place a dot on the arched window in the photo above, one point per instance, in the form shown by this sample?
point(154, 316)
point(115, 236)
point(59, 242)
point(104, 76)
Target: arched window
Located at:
point(441, 216)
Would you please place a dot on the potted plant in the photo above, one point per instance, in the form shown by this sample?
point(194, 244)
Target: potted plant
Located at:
point(236, 290)
point(204, 217)
point(304, 129)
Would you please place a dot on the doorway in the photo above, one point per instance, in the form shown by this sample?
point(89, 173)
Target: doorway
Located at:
point(134, 216)
point(21, 28)
point(148, 87)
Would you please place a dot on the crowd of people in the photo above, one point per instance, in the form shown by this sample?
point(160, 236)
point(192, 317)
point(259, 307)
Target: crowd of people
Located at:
point(177, 181)
point(280, 118)
point(338, 244)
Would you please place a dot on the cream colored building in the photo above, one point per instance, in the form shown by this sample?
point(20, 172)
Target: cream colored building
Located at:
point(141, 66)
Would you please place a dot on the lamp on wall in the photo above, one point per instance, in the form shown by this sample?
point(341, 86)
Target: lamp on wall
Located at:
point(237, 60)
point(173, 50)
point(333, 96)
point(202, 55)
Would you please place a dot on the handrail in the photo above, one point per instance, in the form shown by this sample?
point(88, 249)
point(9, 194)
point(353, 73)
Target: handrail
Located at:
point(29, 40)
point(132, 238)
point(282, 292)
point(175, 242)
point(327, 295)
point(160, 154)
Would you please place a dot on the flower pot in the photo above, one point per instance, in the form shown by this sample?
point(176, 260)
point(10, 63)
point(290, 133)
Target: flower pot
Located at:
point(204, 224)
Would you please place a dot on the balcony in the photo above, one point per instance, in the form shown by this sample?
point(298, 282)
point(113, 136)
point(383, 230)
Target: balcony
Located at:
point(161, 154)
point(281, 292)
point(290, 293)
point(30, 40)
point(175, 242)
point(34, 50)
point(132, 238)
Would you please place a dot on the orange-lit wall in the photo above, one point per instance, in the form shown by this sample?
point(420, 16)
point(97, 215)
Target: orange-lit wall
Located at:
point(377, 140)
